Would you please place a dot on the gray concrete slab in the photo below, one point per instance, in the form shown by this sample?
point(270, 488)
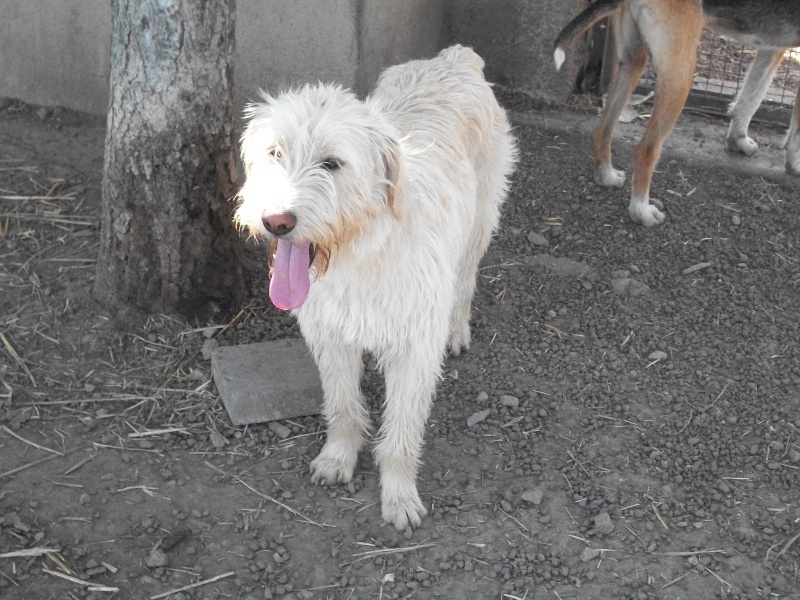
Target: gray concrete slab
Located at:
point(268, 381)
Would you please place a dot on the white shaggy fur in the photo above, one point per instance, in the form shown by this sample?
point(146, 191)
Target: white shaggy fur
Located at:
point(398, 195)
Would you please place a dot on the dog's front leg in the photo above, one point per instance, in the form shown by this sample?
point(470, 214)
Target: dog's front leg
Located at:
point(792, 142)
point(410, 384)
point(756, 83)
point(344, 410)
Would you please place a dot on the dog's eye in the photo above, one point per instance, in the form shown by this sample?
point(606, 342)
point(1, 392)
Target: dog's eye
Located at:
point(276, 152)
point(331, 164)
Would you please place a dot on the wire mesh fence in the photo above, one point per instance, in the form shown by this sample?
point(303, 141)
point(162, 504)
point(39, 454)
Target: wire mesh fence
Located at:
point(720, 72)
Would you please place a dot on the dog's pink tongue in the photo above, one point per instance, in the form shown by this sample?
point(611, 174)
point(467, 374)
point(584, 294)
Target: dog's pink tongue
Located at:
point(290, 282)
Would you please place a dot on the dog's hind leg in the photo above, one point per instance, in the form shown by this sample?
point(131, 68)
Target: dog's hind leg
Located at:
point(792, 142)
point(672, 33)
point(345, 413)
point(756, 83)
point(492, 166)
point(631, 59)
point(460, 337)
point(411, 376)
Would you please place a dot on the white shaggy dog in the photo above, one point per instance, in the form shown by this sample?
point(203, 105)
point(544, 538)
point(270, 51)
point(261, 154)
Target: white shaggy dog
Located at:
point(379, 212)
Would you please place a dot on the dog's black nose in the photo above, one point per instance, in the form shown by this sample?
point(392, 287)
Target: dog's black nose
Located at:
point(279, 224)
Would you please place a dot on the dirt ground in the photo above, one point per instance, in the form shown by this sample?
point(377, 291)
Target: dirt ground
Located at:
point(626, 425)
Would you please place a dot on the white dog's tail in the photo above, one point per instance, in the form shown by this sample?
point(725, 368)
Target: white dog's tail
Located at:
point(457, 53)
point(595, 11)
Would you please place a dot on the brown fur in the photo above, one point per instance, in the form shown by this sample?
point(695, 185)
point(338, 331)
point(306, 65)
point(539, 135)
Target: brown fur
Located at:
point(668, 32)
point(673, 52)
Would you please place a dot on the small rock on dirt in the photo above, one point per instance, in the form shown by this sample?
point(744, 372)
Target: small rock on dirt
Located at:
point(218, 440)
point(208, 348)
point(533, 496)
point(537, 239)
point(658, 355)
point(157, 559)
point(697, 267)
point(282, 431)
point(13, 519)
point(589, 554)
point(603, 523)
point(478, 417)
point(510, 401)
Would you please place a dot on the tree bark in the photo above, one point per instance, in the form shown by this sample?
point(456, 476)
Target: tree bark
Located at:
point(167, 239)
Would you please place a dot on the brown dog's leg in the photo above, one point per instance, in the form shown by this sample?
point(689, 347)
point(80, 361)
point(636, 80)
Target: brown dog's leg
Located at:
point(631, 59)
point(671, 30)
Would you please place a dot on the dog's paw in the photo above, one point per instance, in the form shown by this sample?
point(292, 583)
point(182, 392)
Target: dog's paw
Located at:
point(746, 145)
point(403, 511)
point(332, 467)
point(608, 176)
point(793, 163)
point(791, 144)
point(459, 341)
point(645, 213)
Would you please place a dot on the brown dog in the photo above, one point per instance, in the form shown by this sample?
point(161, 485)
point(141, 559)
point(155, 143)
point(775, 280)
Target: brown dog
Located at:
point(669, 30)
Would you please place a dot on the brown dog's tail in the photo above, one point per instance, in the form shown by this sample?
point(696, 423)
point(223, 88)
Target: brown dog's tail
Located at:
point(593, 13)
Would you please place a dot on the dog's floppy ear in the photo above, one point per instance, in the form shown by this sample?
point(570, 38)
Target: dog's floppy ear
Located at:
point(393, 165)
point(384, 139)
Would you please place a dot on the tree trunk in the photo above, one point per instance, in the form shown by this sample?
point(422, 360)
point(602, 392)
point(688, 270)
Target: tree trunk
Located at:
point(167, 240)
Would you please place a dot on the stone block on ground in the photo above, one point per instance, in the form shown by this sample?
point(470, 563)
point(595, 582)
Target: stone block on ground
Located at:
point(267, 381)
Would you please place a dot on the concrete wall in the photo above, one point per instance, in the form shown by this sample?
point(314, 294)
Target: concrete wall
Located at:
point(280, 43)
point(56, 52)
point(515, 37)
point(409, 30)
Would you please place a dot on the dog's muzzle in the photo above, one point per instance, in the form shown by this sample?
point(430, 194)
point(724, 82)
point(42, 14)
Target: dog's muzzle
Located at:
point(279, 224)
